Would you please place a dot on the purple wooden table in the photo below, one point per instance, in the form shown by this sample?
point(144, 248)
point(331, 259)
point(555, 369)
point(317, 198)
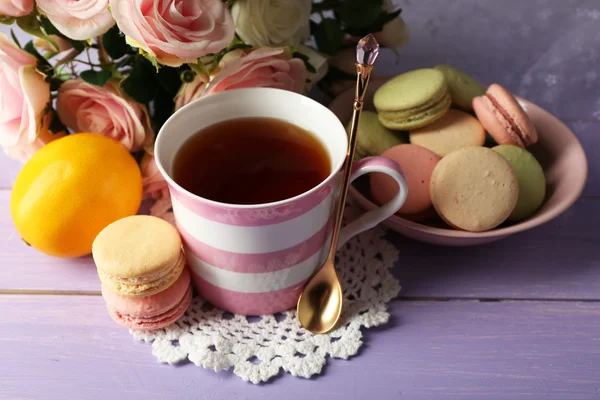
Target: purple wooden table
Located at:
point(517, 319)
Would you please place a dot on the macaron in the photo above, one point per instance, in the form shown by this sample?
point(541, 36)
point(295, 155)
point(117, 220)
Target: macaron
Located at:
point(504, 118)
point(413, 99)
point(151, 312)
point(372, 138)
point(463, 87)
point(454, 130)
point(417, 164)
point(474, 189)
point(532, 182)
point(138, 256)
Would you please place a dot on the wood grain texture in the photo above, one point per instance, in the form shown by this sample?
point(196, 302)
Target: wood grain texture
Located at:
point(556, 261)
point(68, 348)
point(9, 169)
point(559, 260)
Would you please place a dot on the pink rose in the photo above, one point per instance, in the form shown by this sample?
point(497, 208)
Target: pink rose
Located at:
point(16, 8)
point(155, 187)
point(78, 20)
point(106, 110)
point(263, 67)
point(190, 91)
point(175, 31)
point(24, 96)
point(63, 44)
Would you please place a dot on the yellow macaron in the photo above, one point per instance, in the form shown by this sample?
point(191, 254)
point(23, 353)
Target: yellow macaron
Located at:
point(138, 256)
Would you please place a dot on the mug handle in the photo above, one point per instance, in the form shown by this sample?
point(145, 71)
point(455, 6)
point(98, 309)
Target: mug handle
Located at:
point(374, 217)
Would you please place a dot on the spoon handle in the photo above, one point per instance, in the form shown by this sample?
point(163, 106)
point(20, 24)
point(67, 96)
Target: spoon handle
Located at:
point(363, 77)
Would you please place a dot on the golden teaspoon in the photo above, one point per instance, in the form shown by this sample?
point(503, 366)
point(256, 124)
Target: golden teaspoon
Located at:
point(320, 303)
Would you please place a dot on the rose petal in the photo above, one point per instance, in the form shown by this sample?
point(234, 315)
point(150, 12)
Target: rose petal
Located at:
point(78, 20)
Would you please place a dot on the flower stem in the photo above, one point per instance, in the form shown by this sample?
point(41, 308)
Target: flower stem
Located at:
point(102, 54)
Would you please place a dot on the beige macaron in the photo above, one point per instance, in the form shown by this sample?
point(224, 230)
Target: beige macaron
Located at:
point(453, 131)
point(474, 189)
point(138, 256)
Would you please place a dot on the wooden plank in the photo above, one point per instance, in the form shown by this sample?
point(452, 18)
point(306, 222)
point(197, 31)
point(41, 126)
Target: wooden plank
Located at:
point(63, 346)
point(10, 168)
point(556, 261)
point(559, 260)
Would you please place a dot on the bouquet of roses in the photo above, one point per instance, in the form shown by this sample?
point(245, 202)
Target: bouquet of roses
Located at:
point(120, 68)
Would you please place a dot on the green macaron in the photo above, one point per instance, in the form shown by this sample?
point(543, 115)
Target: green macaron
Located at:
point(462, 86)
point(372, 138)
point(413, 99)
point(532, 182)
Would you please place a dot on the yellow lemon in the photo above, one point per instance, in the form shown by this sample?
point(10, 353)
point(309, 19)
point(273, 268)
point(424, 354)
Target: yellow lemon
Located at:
point(71, 189)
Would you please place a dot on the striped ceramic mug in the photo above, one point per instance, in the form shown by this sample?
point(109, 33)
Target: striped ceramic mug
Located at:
point(254, 259)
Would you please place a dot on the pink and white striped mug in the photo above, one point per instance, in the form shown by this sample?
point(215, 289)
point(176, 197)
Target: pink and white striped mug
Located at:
point(255, 259)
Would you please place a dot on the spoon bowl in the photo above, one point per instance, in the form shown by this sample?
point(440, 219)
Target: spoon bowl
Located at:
point(320, 304)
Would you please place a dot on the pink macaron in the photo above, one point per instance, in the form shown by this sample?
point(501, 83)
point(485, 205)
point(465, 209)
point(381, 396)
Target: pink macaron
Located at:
point(418, 164)
point(151, 312)
point(503, 118)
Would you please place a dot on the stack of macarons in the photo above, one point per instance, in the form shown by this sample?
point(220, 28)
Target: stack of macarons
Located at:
point(145, 281)
point(462, 147)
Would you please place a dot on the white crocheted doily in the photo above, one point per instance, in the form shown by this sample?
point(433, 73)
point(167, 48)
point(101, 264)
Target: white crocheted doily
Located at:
point(258, 347)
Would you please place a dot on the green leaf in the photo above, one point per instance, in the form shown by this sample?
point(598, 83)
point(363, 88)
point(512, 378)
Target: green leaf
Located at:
point(30, 48)
point(77, 45)
point(169, 80)
point(200, 69)
point(48, 27)
point(329, 36)
point(141, 84)
point(56, 126)
point(163, 107)
point(15, 39)
point(383, 19)
point(31, 24)
point(355, 14)
point(55, 83)
point(151, 59)
point(306, 60)
point(6, 20)
point(325, 5)
point(42, 64)
point(114, 43)
point(334, 74)
point(376, 26)
point(235, 41)
point(98, 78)
point(125, 62)
point(313, 27)
point(236, 46)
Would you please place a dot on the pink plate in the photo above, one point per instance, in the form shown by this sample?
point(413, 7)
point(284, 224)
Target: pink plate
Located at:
point(558, 150)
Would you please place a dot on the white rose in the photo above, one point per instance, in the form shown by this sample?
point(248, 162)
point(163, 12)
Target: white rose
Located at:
point(395, 33)
point(272, 23)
